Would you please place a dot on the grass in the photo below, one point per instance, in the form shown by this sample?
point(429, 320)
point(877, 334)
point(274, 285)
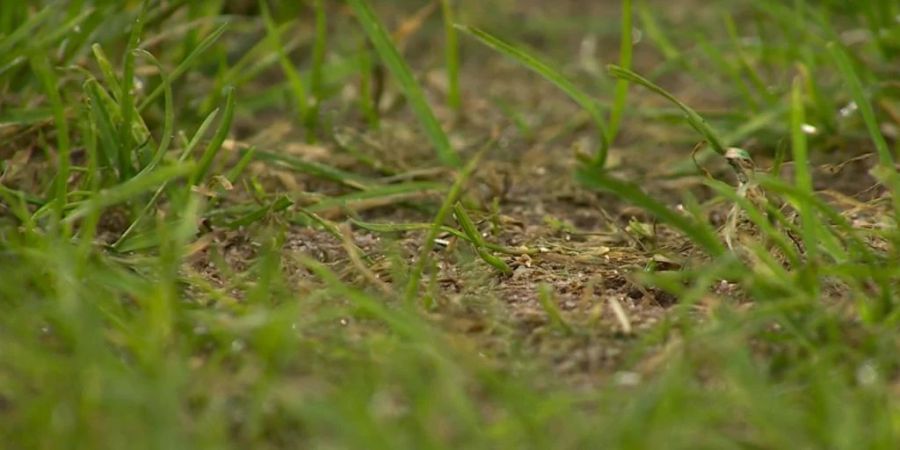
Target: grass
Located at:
point(545, 70)
point(180, 269)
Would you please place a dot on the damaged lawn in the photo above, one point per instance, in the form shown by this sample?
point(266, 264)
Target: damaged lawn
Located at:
point(449, 224)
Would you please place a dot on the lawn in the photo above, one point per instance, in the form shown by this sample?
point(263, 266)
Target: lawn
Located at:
point(438, 224)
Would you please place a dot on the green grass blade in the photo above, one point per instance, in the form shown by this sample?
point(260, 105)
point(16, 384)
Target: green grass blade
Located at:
point(885, 158)
point(295, 81)
point(215, 144)
point(653, 30)
point(316, 169)
point(470, 230)
point(412, 285)
point(168, 113)
point(420, 226)
point(106, 68)
point(9, 42)
point(451, 55)
point(63, 145)
point(186, 64)
point(378, 195)
point(698, 232)
point(100, 109)
point(131, 188)
point(316, 74)
point(857, 91)
point(126, 95)
point(692, 117)
point(543, 69)
point(802, 176)
point(620, 95)
point(246, 158)
point(198, 135)
point(404, 77)
point(280, 204)
point(165, 141)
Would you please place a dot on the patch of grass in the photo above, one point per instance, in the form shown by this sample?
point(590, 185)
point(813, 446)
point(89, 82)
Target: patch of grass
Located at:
point(180, 269)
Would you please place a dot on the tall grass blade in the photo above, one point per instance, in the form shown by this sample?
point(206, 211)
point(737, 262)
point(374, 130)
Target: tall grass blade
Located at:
point(692, 117)
point(470, 230)
point(315, 169)
point(63, 145)
point(543, 69)
point(126, 96)
point(316, 75)
point(620, 95)
point(131, 188)
point(212, 149)
point(697, 231)
point(102, 118)
point(295, 81)
point(186, 64)
point(168, 131)
point(389, 54)
point(412, 285)
point(451, 55)
point(802, 176)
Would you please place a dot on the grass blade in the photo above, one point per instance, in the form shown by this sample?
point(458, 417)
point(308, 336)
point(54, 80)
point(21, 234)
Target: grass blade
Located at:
point(376, 196)
point(295, 81)
point(451, 55)
point(468, 227)
point(316, 169)
point(412, 285)
point(215, 144)
point(129, 189)
point(620, 95)
point(320, 46)
point(404, 77)
point(802, 176)
point(100, 106)
point(63, 146)
point(553, 76)
point(692, 117)
point(168, 113)
point(419, 226)
point(126, 96)
point(885, 159)
point(699, 232)
point(186, 64)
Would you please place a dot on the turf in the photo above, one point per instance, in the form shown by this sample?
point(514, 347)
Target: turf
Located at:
point(439, 224)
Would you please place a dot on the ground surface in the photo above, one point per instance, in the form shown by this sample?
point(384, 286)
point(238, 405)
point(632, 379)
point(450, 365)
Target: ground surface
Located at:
point(279, 319)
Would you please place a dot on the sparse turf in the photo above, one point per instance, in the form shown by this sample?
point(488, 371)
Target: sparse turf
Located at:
point(450, 224)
